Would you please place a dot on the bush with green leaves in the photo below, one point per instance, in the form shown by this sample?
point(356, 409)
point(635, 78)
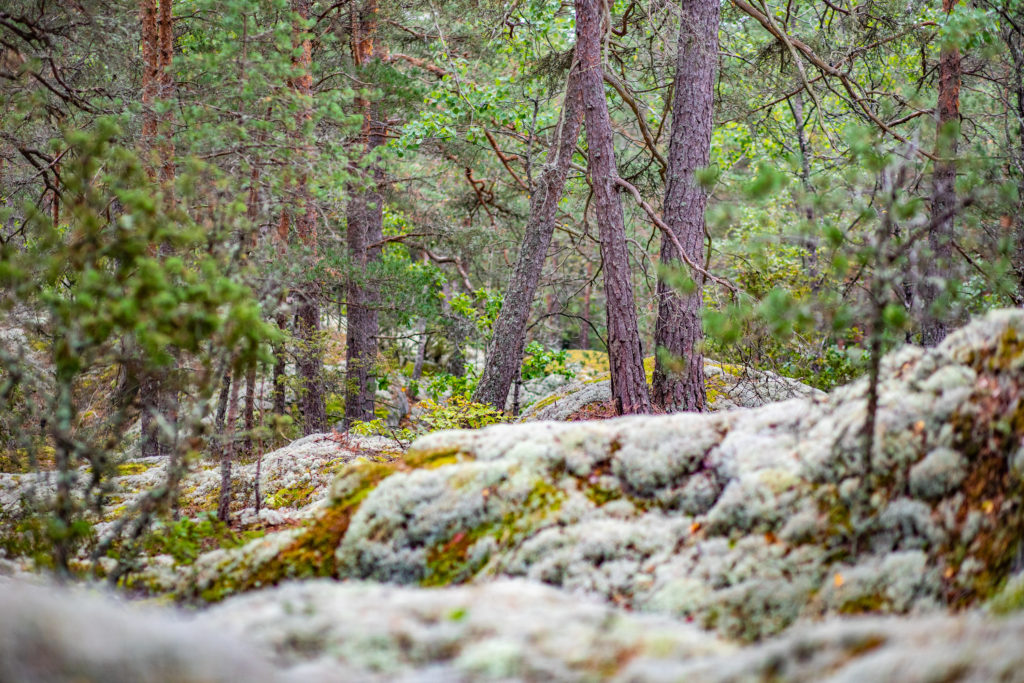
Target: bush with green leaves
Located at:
point(125, 280)
point(540, 361)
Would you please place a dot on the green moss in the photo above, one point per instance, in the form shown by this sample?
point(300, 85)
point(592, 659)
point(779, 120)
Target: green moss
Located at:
point(450, 562)
point(186, 539)
point(312, 553)
point(864, 604)
point(552, 399)
point(1009, 599)
point(600, 496)
point(129, 468)
point(417, 458)
point(291, 497)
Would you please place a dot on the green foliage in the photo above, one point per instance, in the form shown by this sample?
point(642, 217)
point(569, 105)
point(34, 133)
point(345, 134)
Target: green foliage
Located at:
point(185, 539)
point(482, 308)
point(459, 413)
point(540, 361)
point(446, 384)
point(455, 412)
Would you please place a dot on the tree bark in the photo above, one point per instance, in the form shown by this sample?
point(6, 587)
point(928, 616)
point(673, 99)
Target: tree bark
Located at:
point(365, 231)
point(934, 325)
point(167, 88)
point(227, 452)
point(625, 357)
point(309, 361)
point(678, 336)
point(150, 73)
point(505, 352)
point(149, 386)
point(156, 395)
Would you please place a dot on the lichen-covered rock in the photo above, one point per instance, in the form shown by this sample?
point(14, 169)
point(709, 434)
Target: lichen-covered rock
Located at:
point(51, 634)
point(881, 650)
point(507, 630)
point(728, 387)
point(503, 630)
point(743, 521)
point(294, 484)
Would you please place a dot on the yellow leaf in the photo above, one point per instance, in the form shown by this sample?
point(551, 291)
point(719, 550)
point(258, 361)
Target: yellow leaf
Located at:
point(838, 580)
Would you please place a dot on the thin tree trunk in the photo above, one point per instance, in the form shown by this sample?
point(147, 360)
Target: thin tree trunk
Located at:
point(678, 336)
point(584, 337)
point(309, 362)
point(222, 403)
point(249, 414)
point(365, 231)
point(809, 242)
point(227, 452)
point(149, 385)
point(934, 324)
point(280, 367)
point(421, 350)
point(505, 352)
point(625, 357)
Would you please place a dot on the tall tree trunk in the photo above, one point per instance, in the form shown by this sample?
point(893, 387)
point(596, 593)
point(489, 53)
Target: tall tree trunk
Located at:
point(365, 231)
point(167, 88)
point(156, 394)
point(505, 352)
point(625, 357)
point(309, 361)
point(678, 336)
point(940, 237)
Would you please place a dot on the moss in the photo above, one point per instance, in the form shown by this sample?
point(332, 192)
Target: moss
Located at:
point(291, 497)
point(864, 604)
point(418, 458)
point(1009, 599)
point(312, 553)
point(600, 496)
point(129, 468)
point(552, 399)
point(451, 562)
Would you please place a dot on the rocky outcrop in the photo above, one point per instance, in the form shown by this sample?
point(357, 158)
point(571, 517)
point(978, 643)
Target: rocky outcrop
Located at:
point(504, 630)
point(744, 522)
point(728, 387)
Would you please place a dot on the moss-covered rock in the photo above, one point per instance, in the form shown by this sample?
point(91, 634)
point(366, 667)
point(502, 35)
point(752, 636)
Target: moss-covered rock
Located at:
point(745, 521)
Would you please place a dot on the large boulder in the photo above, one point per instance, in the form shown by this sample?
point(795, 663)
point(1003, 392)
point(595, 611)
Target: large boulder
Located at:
point(743, 521)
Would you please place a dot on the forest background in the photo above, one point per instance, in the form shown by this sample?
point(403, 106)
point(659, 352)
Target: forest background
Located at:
point(237, 222)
